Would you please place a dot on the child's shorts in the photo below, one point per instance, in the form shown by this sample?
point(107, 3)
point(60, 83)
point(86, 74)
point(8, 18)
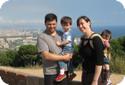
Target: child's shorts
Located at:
point(106, 60)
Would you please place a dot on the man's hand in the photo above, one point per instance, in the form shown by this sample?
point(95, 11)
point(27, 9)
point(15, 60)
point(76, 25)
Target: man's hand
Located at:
point(58, 43)
point(67, 57)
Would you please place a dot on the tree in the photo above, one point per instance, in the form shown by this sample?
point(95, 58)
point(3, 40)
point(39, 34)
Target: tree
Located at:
point(7, 57)
point(25, 55)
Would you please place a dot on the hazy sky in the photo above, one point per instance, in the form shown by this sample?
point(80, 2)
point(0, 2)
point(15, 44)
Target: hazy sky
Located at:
point(101, 12)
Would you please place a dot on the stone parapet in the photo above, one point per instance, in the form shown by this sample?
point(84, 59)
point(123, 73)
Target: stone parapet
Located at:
point(17, 78)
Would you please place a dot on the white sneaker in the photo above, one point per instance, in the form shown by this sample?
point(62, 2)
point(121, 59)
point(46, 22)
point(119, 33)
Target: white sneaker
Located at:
point(109, 82)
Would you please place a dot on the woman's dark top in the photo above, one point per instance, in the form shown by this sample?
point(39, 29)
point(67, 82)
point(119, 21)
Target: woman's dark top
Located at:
point(91, 56)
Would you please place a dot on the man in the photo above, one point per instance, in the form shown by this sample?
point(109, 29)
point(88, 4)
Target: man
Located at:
point(50, 52)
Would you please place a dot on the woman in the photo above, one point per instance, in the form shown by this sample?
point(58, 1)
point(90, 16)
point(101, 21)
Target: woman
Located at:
point(92, 57)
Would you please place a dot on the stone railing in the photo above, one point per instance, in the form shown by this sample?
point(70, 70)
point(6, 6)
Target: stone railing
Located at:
point(17, 78)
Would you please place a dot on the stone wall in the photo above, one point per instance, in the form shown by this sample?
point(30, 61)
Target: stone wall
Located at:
point(15, 78)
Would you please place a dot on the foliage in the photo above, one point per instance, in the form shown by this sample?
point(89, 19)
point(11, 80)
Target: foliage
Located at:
point(118, 55)
point(118, 64)
point(25, 55)
point(7, 57)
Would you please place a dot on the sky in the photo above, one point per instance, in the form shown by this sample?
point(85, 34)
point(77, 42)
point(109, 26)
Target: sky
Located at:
point(101, 12)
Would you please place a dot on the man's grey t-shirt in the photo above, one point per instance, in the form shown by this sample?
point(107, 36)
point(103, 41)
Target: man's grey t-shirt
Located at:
point(45, 42)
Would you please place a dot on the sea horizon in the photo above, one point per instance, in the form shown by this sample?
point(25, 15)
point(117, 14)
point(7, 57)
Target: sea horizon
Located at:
point(117, 31)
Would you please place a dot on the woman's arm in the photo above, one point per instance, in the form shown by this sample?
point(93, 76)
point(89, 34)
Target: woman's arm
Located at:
point(99, 48)
point(97, 73)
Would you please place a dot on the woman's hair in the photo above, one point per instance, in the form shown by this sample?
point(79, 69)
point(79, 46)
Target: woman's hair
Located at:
point(106, 33)
point(83, 17)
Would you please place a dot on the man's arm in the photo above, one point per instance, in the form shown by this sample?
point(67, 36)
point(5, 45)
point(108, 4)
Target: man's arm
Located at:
point(63, 43)
point(44, 50)
point(50, 56)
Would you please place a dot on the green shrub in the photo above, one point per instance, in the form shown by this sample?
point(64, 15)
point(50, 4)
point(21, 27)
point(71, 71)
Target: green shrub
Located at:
point(118, 55)
point(25, 55)
point(118, 64)
point(7, 57)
